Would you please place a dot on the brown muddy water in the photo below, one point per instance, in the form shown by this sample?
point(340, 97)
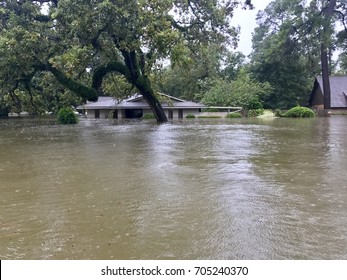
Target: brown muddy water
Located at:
point(199, 189)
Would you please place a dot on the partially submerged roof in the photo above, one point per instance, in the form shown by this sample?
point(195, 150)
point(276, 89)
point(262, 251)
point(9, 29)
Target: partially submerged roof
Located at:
point(138, 102)
point(338, 90)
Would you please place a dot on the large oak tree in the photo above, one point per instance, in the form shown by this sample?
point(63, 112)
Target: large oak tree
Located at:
point(82, 42)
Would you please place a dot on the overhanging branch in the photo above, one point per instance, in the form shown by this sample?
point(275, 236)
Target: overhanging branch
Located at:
point(101, 71)
point(82, 90)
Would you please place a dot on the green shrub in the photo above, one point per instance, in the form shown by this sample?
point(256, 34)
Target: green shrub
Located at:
point(148, 116)
point(67, 116)
point(190, 116)
point(255, 112)
point(300, 112)
point(234, 115)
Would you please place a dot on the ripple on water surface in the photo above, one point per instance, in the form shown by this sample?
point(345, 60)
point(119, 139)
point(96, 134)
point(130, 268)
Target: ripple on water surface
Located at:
point(202, 189)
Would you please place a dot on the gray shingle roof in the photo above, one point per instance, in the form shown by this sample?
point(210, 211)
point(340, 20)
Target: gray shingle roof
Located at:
point(137, 102)
point(338, 88)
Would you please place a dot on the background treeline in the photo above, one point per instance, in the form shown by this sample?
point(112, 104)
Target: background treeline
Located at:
point(50, 51)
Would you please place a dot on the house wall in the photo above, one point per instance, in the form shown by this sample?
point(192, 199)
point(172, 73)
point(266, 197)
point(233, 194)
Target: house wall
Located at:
point(191, 112)
point(120, 114)
point(103, 114)
point(90, 114)
point(175, 114)
point(185, 112)
point(106, 113)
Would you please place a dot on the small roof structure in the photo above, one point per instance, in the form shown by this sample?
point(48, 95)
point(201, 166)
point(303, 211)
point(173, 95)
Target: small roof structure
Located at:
point(138, 102)
point(338, 92)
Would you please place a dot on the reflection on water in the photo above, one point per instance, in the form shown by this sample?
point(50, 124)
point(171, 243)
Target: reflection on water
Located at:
point(205, 189)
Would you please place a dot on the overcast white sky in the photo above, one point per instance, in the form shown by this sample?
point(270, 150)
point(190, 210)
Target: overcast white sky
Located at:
point(246, 20)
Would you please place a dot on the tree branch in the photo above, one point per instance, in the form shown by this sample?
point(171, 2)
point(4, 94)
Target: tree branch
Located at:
point(101, 71)
point(82, 90)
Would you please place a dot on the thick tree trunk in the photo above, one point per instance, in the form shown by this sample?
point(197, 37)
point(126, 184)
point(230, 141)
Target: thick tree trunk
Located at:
point(145, 88)
point(324, 52)
point(325, 77)
point(135, 74)
point(156, 107)
point(132, 71)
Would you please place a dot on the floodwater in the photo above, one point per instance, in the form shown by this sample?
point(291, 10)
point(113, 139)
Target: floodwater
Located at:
point(196, 189)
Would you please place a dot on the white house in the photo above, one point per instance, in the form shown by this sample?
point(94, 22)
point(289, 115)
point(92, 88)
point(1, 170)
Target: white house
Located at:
point(137, 107)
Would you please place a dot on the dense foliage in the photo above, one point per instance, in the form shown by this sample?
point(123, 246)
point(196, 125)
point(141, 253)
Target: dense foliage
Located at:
point(88, 46)
point(67, 116)
point(293, 42)
point(58, 53)
point(191, 81)
point(242, 92)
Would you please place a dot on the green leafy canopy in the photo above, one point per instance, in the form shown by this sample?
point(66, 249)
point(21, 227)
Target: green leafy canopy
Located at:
point(80, 42)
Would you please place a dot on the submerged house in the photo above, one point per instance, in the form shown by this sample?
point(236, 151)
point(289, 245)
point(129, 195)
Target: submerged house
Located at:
point(338, 93)
point(136, 107)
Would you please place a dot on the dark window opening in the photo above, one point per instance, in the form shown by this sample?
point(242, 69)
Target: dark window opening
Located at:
point(115, 114)
point(180, 114)
point(97, 114)
point(170, 114)
point(133, 113)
